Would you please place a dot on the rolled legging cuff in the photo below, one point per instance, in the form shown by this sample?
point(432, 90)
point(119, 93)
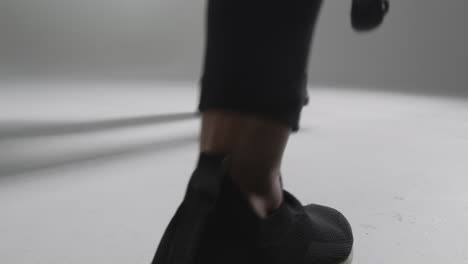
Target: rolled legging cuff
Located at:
point(281, 101)
point(256, 57)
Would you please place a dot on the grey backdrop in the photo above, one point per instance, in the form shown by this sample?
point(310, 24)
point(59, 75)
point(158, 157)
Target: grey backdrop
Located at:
point(421, 47)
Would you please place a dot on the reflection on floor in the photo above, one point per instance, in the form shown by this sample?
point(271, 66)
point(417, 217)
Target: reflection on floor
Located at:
point(92, 173)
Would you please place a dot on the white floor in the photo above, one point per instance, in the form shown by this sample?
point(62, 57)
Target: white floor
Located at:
point(80, 182)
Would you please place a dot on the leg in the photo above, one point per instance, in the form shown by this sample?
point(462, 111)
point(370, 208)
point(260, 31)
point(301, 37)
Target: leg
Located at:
point(253, 90)
point(256, 145)
point(254, 87)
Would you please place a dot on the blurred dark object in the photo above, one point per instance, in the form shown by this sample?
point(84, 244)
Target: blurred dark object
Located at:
point(367, 15)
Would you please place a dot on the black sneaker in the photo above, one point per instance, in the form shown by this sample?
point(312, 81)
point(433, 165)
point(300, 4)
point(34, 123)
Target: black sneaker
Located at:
point(293, 234)
point(179, 242)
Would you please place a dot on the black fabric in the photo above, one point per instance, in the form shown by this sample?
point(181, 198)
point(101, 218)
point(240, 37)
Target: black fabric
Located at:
point(215, 224)
point(256, 54)
point(256, 57)
point(293, 234)
point(180, 239)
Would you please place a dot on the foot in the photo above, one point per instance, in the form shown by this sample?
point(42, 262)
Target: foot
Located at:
point(292, 234)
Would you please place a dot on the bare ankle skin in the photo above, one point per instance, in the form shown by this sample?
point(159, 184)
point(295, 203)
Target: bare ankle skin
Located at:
point(256, 146)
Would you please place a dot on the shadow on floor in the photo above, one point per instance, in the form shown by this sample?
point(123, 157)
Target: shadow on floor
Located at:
point(96, 156)
point(25, 129)
point(19, 130)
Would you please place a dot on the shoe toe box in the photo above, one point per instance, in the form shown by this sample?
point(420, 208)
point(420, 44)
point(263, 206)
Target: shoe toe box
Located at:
point(333, 238)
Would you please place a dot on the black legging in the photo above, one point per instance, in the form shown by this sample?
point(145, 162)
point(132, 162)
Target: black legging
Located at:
point(256, 57)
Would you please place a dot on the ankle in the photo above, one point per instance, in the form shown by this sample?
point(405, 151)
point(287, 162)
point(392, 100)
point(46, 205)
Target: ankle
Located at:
point(263, 198)
point(264, 206)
